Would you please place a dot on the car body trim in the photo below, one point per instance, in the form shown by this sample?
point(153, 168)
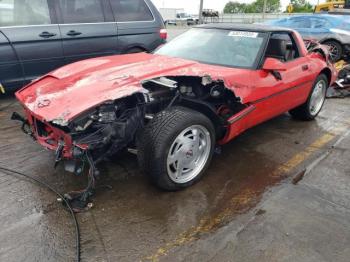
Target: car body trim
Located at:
point(282, 92)
point(96, 23)
point(241, 114)
point(24, 26)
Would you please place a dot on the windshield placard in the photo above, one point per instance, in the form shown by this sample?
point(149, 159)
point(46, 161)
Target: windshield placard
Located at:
point(243, 34)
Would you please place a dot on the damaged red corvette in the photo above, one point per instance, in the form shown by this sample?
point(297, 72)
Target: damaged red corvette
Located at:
point(173, 106)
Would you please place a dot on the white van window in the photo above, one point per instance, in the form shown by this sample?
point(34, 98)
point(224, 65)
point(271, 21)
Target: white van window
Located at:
point(81, 11)
point(131, 10)
point(24, 12)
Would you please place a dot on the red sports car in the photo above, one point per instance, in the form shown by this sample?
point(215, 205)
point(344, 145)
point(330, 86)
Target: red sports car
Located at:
point(173, 106)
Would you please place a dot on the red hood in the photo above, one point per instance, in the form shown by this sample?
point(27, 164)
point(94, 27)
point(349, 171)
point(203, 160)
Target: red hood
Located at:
point(69, 91)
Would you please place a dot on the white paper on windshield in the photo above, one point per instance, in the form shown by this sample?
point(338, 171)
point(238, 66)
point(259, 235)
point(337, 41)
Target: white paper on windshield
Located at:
point(243, 34)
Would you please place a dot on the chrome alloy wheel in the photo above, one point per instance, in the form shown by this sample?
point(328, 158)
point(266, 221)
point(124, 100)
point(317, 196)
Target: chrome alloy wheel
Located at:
point(333, 51)
point(188, 154)
point(317, 98)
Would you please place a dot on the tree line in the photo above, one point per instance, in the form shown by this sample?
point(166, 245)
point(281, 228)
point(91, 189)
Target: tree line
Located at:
point(272, 6)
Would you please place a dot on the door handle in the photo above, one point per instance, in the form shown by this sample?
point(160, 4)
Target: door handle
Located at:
point(73, 33)
point(47, 34)
point(305, 67)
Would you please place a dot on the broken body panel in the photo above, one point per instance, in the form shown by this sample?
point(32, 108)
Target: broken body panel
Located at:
point(64, 104)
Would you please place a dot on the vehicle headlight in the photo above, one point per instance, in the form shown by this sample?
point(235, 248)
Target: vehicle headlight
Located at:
point(103, 114)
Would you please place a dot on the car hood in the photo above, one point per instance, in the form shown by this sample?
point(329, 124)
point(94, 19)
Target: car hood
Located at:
point(71, 90)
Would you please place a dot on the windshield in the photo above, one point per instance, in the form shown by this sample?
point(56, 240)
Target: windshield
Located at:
point(215, 46)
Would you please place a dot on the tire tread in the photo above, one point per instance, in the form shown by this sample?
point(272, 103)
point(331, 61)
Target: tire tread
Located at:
point(155, 136)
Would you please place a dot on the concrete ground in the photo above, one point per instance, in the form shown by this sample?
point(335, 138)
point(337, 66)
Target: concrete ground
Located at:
point(245, 209)
point(250, 206)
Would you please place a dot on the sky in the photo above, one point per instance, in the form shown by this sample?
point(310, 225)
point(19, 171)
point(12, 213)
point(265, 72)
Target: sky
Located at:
point(191, 6)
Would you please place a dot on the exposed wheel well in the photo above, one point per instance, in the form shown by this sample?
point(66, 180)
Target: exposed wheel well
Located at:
point(328, 73)
point(199, 93)
point(208, 112)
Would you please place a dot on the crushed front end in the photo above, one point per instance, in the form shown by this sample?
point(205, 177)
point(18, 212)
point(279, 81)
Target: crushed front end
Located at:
point(91, 137)
point(94, 135)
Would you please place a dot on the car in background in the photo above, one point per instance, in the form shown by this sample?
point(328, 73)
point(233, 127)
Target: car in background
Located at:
point(177, 16)
point(38, 36)
point(185, 18)
point(331, 30)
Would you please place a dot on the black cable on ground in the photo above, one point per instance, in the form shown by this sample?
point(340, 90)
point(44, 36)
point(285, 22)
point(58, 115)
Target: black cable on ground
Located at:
point(77, 230)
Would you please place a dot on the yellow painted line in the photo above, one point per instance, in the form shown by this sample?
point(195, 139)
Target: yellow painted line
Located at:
point(247, 196)
point(2, 89)
point(299, 158)
point(205, 225)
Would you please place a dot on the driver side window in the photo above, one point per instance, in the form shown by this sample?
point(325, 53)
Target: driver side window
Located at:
point(283, 47)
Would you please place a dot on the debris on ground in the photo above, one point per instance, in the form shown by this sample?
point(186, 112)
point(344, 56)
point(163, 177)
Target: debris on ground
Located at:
point(299, 177)
point(341, 88)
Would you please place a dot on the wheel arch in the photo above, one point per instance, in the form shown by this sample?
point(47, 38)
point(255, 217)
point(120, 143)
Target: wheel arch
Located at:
point(328, 73)
point(208, 111)
point(129, 48)
point(331, 39)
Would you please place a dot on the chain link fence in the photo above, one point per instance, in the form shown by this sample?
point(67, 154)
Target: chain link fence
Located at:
point(248, 18)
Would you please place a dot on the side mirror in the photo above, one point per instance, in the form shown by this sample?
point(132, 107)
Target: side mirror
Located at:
point(273, 64)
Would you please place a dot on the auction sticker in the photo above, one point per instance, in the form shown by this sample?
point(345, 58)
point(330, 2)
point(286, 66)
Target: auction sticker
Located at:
point(243, 34)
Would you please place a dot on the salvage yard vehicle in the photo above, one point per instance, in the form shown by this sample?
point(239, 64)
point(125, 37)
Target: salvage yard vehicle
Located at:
point(38, 36)
point(330, 30)
point(175, 105)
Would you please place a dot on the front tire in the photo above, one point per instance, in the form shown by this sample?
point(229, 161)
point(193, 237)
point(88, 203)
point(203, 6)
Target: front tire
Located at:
point(176, 148)
point(313, 106)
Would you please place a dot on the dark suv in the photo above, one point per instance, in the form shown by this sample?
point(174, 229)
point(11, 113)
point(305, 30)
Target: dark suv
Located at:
point(37, 36)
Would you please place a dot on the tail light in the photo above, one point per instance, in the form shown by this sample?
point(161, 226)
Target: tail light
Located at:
point(163, 33)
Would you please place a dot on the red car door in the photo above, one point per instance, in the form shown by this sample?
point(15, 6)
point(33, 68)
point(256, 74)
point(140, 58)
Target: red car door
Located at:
point(276, 93)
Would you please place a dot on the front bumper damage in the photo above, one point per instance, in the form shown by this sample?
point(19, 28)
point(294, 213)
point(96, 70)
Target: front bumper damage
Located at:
point(79, 150)
point(75, 156)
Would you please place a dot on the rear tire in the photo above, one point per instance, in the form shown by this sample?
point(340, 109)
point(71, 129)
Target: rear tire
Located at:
point(313, 106)
point(176, 148)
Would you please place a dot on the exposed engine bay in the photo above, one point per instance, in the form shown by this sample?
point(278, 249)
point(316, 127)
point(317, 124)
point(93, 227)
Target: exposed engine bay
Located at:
point(113, 126)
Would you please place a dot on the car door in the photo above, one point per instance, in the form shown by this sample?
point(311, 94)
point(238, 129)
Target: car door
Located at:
point(276, 93)
point(87, 29)
point(35, 39)
point(11, 73)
